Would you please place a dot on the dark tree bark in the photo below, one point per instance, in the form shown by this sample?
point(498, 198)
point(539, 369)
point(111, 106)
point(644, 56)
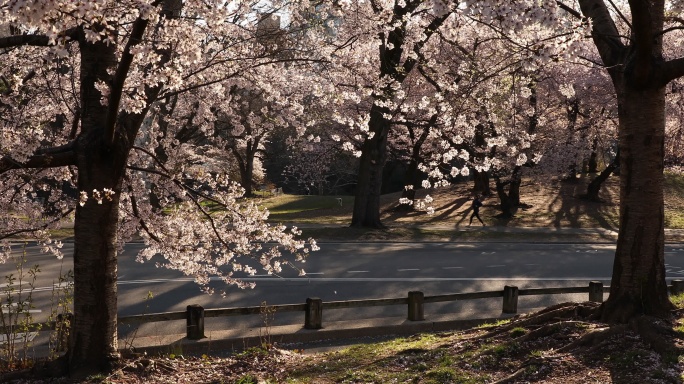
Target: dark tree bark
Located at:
point(246, 164)
point(102, 149)
point(592, 163)
point(594, 187)
point(481, 183)
point(639, 74)
point(93, 343)
point(505, 203)
point(412, 177)
point(509, 200)
point(366, 212)
point(481, 179)
point(572, 114)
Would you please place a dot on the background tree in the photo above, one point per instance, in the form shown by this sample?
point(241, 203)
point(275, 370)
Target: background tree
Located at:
point(362, 73)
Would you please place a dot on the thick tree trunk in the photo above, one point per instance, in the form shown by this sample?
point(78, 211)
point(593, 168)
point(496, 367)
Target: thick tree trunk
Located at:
point(246, 165)
point(592, 163)
point(246, 172)
point(506, 204)
point(93, 341)
point(366, 211)
point(412, 173)
point(514, 192)
point(93, 345)
point(481, 183)
point(638, 284)
point(595, 185)
point(412, 180)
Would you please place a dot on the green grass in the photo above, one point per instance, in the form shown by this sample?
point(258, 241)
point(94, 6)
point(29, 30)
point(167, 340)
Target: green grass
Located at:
point(517, 331)
point(674, 199)
point(420, 355)
point(293, 204)
point(678, 300)
point(494, 324)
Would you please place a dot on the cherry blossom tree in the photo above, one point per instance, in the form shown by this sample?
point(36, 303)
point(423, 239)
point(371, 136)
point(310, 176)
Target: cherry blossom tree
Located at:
point(91, 96)
point(400, 30)
point(630, 43)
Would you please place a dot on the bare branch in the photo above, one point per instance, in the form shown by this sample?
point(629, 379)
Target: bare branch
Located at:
point(55, 150)
point(61, 159)
point(672, 69)
point(20, 40)
point(617, 10)
point(569, 10)
point(33, 40)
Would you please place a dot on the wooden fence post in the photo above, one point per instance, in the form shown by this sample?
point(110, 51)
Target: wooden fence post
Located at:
point(195, 322)
point(415, 306)
point(677, 287)
point(313, 316)
point(510, 299)
point(596, 291)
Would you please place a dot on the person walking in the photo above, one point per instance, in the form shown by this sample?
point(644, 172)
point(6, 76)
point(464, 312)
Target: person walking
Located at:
point(476, 210)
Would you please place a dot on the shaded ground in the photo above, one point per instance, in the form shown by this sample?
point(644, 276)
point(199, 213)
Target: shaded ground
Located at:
point(560, 344)
point(555, 204)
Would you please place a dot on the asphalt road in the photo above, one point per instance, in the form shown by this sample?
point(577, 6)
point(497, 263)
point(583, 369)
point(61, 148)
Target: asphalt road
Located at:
point(345, 271)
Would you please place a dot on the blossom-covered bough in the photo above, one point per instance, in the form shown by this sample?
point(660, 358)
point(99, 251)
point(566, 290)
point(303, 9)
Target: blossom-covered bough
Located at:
point(94, 123)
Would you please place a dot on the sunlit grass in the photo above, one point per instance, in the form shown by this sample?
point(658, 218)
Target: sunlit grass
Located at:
point(293, 204)
point(678, 300)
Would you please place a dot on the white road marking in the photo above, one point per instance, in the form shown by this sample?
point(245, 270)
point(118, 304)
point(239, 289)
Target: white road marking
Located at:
point(314, 273)
point(18, 337)
point(496, 266)
point(3, 310)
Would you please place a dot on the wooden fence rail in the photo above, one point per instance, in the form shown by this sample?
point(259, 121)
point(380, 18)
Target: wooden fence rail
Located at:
point(313, 308)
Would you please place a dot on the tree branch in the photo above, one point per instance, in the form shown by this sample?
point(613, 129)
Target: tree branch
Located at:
point(427, 32)
point(21, 40)
point(60, 159)
point(604, 32)
point(55, 150)
point(569, 10)
point(672, 69)
point(33, 40)
point(617, 10)
point(134, 39)
point(136, 212)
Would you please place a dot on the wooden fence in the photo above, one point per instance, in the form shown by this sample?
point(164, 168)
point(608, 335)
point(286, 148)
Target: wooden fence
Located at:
point(415, 301)
point(313, 307)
